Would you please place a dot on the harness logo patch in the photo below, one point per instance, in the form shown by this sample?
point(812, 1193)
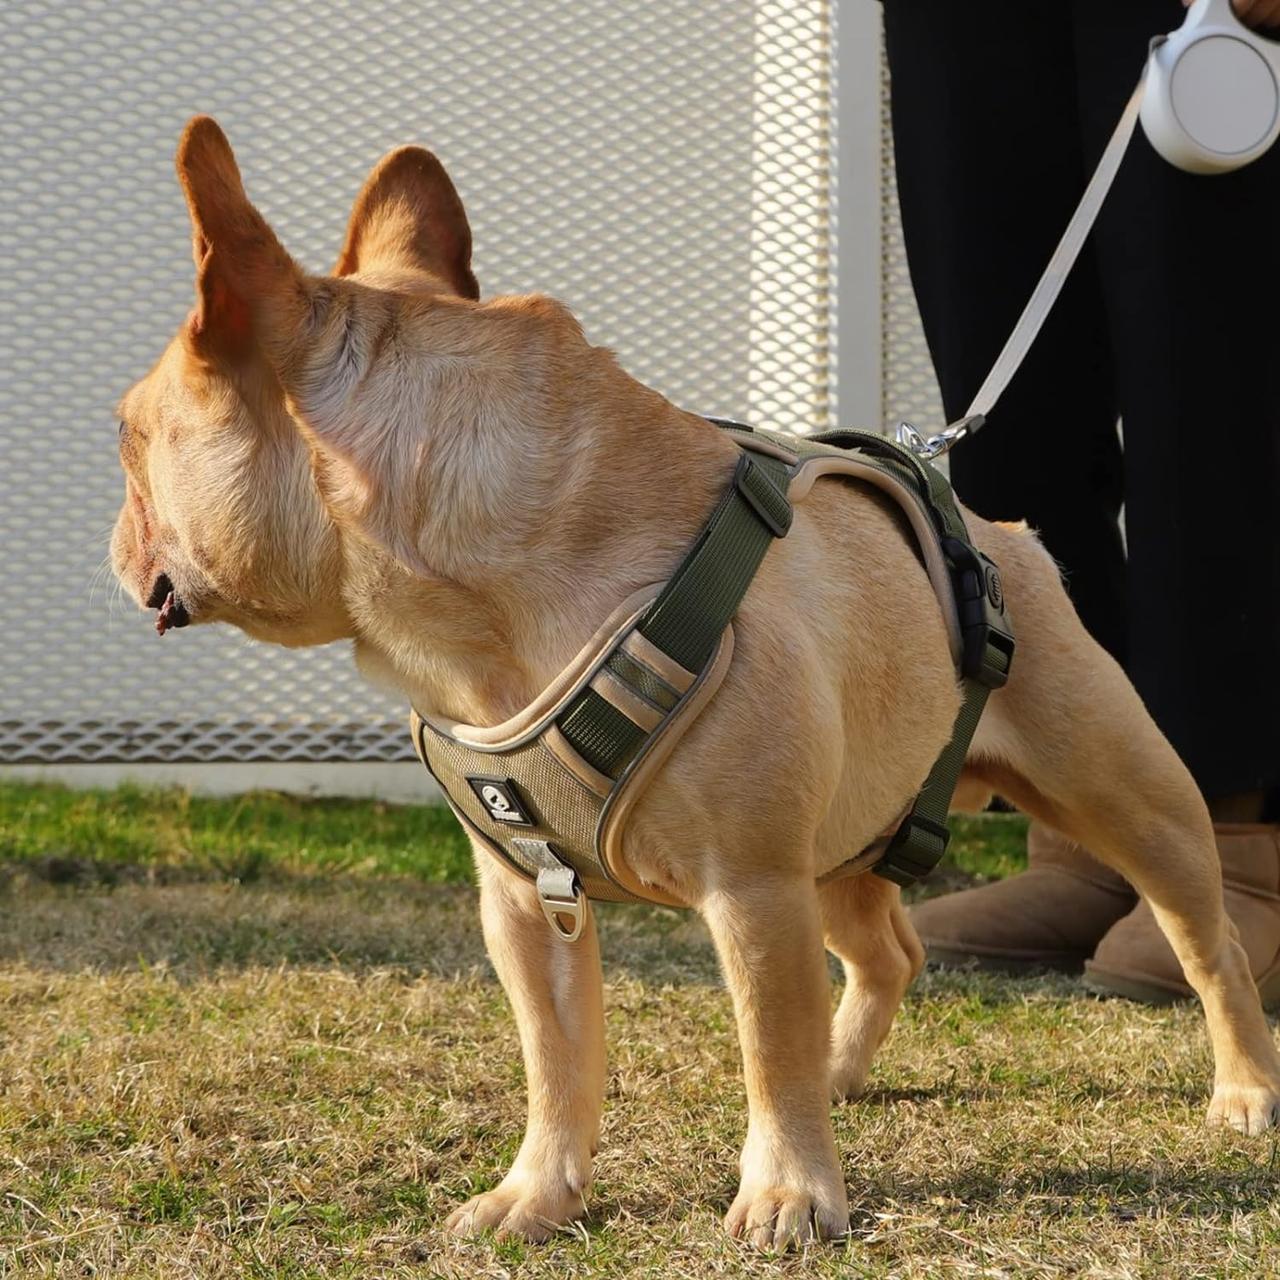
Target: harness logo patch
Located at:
point(995, 588)
point(501, 800)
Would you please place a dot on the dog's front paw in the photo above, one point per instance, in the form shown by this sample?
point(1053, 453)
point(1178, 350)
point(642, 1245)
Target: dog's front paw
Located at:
point(522, 1206)
point(1248, 1108)
point(786, 1215)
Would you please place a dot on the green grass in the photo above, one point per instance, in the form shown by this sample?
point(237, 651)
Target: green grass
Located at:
point(79, 835)
point(988, 846)
point(105, 835)
point(296, 1074)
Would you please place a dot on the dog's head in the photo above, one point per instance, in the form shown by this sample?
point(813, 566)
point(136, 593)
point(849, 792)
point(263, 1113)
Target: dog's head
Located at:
point(225, 515)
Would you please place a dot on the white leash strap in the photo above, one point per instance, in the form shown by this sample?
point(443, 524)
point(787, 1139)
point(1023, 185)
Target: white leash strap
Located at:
point(1045, 295)
point(1064, 256)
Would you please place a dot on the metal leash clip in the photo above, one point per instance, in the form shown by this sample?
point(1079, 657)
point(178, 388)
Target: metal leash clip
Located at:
point(930, 447)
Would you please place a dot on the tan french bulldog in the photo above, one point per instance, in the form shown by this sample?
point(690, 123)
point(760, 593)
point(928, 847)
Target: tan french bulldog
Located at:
point(466, 489)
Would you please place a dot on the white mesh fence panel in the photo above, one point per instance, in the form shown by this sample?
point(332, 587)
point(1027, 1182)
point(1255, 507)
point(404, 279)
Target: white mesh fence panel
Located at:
point(791, 218)
point(663, 168)
point(909, 386)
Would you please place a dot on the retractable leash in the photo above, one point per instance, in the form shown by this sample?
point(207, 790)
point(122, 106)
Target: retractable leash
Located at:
point(1209, 101)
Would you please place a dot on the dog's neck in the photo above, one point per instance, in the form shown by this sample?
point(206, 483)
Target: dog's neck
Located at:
point(525, 498)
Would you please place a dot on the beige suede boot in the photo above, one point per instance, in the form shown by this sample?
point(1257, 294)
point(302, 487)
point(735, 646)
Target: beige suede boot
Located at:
point(1134, 960)
point(1050, 916)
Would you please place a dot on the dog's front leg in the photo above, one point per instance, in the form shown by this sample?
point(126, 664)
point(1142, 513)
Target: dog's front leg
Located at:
point(555, 989)
point(769, 937)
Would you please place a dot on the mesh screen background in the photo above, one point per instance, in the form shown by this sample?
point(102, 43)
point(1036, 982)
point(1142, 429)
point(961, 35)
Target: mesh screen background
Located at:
point(663, 168)
point(908, 384)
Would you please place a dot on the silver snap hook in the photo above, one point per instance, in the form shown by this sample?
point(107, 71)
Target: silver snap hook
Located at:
point(930, 447)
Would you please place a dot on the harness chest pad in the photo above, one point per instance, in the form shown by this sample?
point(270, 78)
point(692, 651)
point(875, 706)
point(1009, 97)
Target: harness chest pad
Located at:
point(548, 791)
point(532, 796)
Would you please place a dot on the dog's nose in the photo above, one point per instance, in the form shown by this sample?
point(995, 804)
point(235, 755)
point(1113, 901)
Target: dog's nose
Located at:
point(159, 591)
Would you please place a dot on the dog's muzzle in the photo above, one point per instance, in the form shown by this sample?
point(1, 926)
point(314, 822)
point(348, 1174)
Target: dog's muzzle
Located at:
point(172, 612)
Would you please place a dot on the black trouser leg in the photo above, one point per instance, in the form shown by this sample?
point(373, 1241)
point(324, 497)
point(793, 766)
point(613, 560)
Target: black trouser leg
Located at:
point(1191, 275)
point(1000, 112)
point(1191, 270)
point(989, 164)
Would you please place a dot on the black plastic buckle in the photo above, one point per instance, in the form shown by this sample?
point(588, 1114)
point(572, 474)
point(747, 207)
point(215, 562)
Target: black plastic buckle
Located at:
point(914, 850)
point(763, 496)
point(985, 631)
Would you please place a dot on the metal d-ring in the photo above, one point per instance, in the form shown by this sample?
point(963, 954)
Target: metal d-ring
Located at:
point(561, 899)
point(559, 894)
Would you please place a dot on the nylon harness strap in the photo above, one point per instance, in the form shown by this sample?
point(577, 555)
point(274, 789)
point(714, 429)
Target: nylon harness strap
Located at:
point(691, 612)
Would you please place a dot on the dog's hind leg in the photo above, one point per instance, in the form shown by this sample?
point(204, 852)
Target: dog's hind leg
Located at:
point(767, 931)
point(866, 927)
point(1069, 741)
point(555, 989)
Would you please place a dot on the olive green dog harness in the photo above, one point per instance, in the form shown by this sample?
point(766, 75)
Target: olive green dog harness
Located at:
point(549, 790)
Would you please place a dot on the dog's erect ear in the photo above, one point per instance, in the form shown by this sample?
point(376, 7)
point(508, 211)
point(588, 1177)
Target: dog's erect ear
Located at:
point(248, 290)
point(408, 214)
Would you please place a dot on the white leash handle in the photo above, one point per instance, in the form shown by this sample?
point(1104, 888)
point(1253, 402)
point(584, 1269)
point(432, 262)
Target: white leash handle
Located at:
point(1213, 91)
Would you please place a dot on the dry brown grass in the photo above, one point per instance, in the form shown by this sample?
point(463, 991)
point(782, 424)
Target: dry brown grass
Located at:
point(298, 1079)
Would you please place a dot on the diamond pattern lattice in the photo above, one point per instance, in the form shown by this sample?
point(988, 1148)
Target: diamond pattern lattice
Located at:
point(909, 386)
point(792, 380)
point(660, 167)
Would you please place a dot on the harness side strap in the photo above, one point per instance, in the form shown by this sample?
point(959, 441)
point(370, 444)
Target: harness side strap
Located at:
point(921, 838)
point(699, 601)
point(690, 613)
point(918, 844)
